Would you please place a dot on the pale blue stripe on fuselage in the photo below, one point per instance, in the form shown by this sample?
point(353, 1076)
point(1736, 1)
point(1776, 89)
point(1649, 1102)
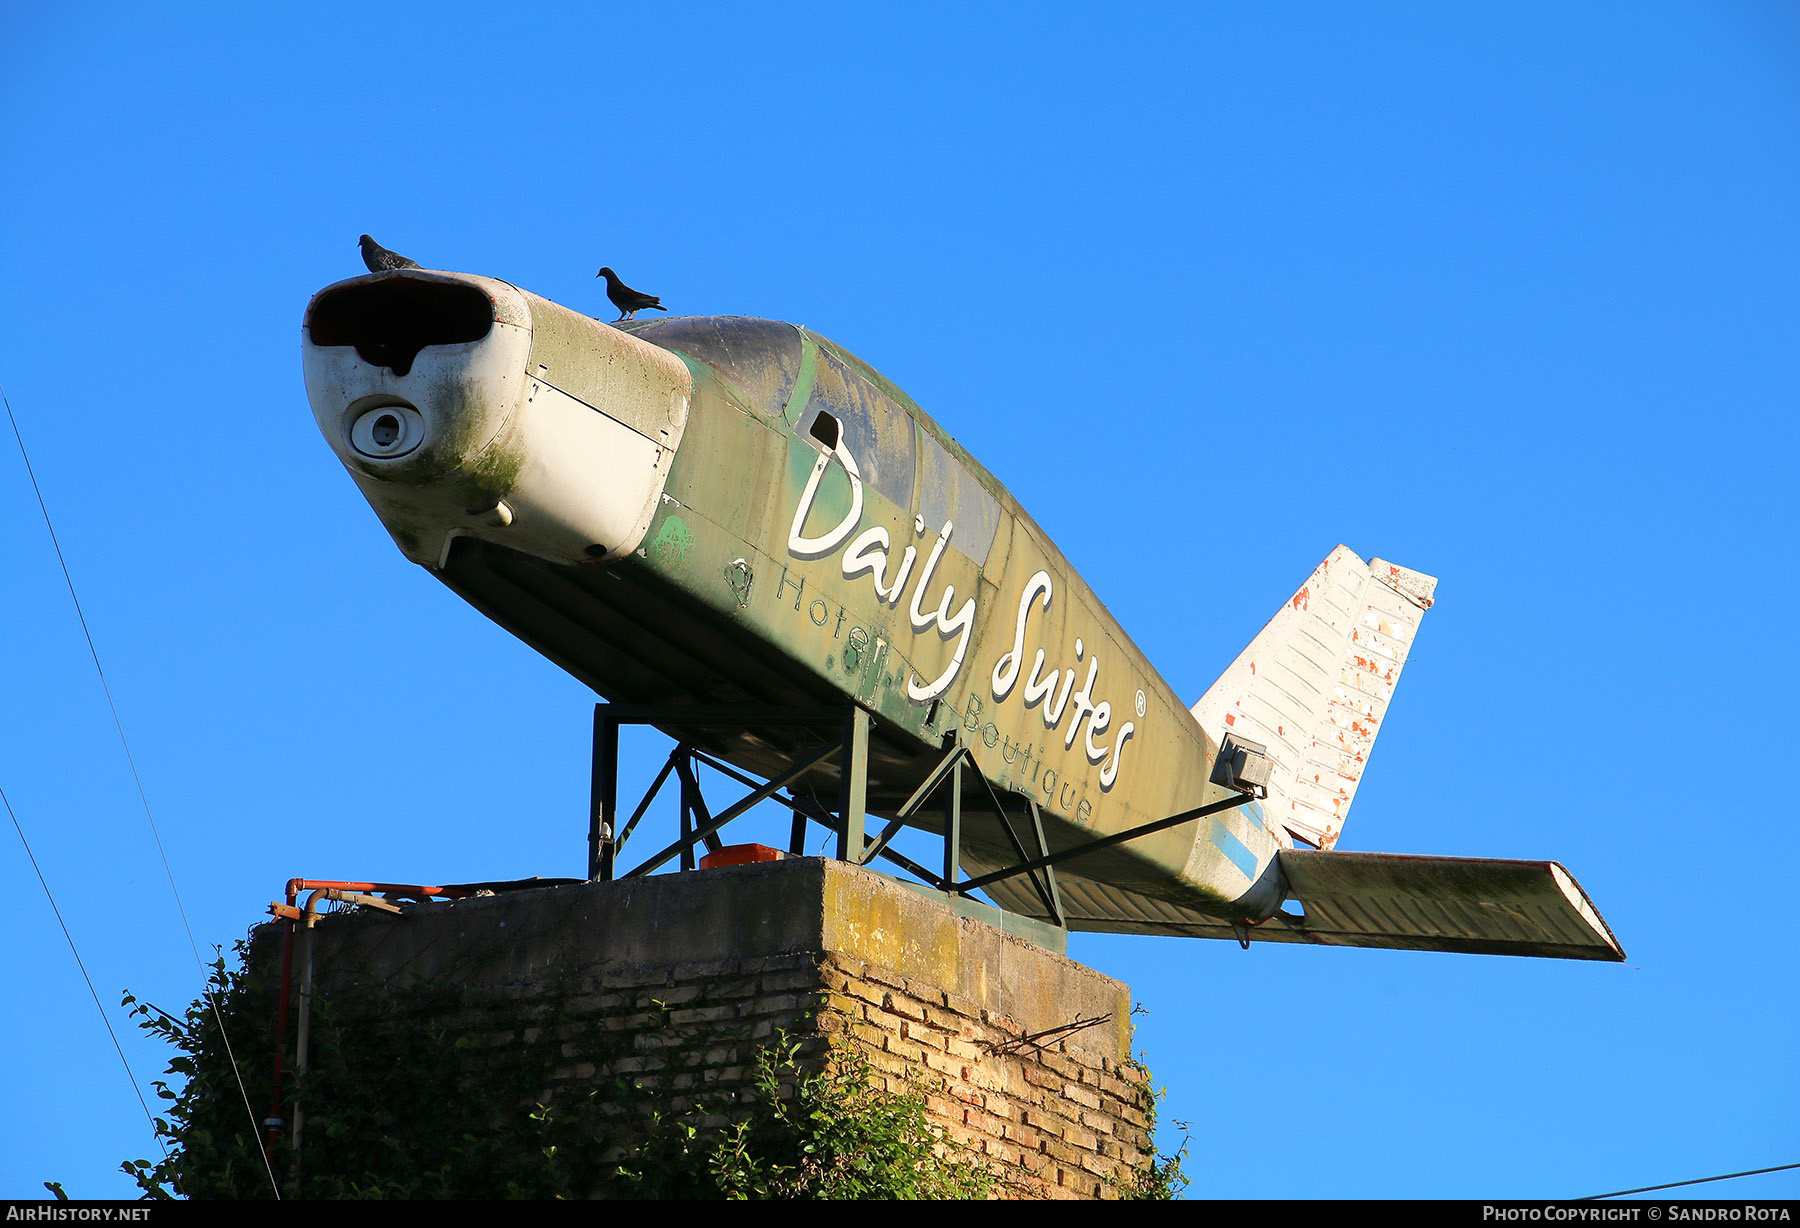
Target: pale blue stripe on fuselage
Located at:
point(1235, 849)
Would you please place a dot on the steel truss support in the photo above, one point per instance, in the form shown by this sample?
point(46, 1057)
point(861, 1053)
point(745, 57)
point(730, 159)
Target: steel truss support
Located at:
point(1106, 842)
point(957, 757)
point(699, 825)
point(848, 742)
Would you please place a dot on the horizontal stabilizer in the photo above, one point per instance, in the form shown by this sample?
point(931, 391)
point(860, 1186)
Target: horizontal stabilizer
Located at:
point(1476, 905)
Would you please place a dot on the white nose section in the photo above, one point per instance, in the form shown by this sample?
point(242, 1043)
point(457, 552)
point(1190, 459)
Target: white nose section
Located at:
point(463, 406)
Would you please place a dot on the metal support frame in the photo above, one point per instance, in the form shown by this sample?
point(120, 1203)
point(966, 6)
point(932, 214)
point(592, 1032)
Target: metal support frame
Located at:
point(603, 805)
point(957, 757)
point(699, 825)
point(853, 786)
point(1106, 842)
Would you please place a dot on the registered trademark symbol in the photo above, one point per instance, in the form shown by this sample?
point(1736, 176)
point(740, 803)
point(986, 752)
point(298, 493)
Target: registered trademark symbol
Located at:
point(1140, 705)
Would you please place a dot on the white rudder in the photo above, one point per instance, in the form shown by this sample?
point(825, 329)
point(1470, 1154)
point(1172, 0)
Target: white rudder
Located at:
point(1314, 685)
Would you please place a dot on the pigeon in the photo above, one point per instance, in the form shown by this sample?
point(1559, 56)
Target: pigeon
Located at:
point(628, 301)
point(381, 260)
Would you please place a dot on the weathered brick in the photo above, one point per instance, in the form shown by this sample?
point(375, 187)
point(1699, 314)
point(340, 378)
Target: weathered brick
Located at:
point(1098, 1166)
point(881, 1020)
point(790, 978)
point(963, 1050)
point(888, 1064)
point(778, 1004)
point(1079, 1136)
point(968, 1008)
point(1083, 1096)
point(1001, 1023)
point(904, 1049)
point(630, 1065)
point(904, 1006)
point(943, 1020)
point(1119, 1089)
point(1005, 1153)
point(844, 1004)
point(982, 1122)
point(883, 976)
point(864, 994)
point(667, 996)
point(688, 1016)
point(940, 1063)
point(926, 1037)
point(870, 1034)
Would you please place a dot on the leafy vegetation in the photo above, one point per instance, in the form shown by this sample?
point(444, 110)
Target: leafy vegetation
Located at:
point(1160, 1177)
point(825, 1134)
point(394, 1112)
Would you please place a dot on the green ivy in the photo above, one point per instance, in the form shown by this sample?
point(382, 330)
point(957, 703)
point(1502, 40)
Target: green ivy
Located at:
point(798, 1134)
point(1160, 1177)
point(419, 1101)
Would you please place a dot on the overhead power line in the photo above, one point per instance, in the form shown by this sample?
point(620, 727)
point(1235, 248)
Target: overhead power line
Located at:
point(143, 797)
point(1645, 1189)
point(69, 938)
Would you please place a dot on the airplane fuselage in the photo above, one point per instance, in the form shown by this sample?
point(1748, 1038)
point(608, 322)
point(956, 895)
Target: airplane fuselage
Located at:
point(773, 523)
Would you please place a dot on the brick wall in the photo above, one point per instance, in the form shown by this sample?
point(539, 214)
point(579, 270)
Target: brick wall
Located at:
point(669, 983)
point(1058, 1117)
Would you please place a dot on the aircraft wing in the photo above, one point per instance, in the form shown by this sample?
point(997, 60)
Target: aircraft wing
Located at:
point(1469, 904)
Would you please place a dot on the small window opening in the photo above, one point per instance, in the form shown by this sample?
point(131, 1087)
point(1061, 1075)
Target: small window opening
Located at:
point(825, 429)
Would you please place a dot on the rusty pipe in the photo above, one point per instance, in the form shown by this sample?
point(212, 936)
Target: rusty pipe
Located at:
point(330, 889)
point(303, 1025)
point(296, 885)
point(272, 1123)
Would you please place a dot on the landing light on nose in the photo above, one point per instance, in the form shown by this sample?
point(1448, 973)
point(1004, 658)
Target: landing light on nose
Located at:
point(387, 431)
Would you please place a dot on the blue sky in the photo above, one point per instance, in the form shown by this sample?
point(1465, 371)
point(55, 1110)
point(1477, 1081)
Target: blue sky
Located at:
point(1506, 294)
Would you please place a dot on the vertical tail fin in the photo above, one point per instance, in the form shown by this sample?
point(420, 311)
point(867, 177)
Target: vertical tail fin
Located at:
point(1315, 683)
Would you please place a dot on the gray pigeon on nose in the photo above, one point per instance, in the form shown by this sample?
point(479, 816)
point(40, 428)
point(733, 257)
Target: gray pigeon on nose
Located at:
point(381, 260)
point(628, 301)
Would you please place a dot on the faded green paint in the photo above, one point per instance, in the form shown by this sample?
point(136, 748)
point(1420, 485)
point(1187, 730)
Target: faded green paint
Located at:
point(670, 547)
point(803, 383)
point(738, 480)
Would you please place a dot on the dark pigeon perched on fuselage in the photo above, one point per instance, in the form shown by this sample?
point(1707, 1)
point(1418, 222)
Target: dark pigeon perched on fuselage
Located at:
point(380, 259)
point(628, 301)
